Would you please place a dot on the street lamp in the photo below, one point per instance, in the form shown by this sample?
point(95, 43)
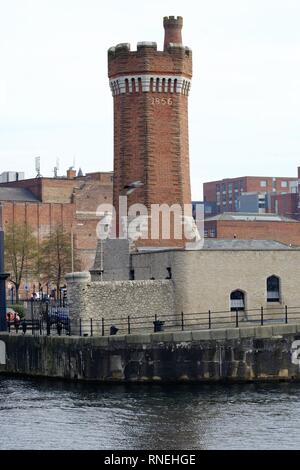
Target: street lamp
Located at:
point(72, 244)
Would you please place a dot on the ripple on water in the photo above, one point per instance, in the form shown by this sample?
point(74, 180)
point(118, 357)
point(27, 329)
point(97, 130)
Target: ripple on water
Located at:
point(55, 415)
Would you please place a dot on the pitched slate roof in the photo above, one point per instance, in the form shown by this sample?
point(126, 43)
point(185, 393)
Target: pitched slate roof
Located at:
point(250, 217)
point(17, 194)
point(217, 244)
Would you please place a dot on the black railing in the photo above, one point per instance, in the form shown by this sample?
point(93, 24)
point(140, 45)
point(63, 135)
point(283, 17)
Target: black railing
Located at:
point(57, 322)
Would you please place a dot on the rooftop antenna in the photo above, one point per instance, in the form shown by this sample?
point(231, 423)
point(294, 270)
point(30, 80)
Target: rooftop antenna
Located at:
point(38, 167)
point(74, 162)
point(56, 168)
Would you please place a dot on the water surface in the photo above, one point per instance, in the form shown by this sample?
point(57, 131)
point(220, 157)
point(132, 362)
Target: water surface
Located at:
point(43, 414)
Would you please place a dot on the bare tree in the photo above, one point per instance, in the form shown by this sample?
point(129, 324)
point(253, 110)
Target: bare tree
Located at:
point(20, 253)
point(56, 256)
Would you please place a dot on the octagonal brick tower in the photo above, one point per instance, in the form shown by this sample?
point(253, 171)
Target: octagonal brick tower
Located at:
point(151, 142)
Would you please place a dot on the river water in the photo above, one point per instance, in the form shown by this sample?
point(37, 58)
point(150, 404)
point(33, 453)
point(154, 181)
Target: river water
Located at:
point(43, 414)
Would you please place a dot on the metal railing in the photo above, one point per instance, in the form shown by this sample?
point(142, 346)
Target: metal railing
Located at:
point(57, 322)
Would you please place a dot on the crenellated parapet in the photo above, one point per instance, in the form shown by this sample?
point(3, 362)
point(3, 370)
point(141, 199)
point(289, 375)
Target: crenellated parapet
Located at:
point(175, 60)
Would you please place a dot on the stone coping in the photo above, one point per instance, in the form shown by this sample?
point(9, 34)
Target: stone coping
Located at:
point(254, 332)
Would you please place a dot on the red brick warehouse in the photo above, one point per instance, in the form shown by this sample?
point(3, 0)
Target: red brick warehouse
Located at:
point(151, 142)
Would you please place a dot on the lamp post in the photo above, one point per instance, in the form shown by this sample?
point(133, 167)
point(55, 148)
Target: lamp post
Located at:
point(3, 277)
point(72, 248)
point(72, 244)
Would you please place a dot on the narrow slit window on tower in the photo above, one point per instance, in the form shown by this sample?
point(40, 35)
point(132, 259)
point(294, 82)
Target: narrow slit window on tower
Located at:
point(151, 84)
point(127, 85)
point(175, 85)
point(157, 84)
point(169, 85)
point(132, 85)
point(164, 85)
point(140, 88)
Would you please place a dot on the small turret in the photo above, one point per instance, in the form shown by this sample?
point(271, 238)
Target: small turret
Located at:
point(173, 27)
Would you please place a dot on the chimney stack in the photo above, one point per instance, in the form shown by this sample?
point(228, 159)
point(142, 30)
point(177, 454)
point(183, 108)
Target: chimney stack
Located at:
point(71, 174)
point(173, 27)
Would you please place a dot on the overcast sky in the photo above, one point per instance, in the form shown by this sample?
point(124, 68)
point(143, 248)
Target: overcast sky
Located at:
point(55, 100)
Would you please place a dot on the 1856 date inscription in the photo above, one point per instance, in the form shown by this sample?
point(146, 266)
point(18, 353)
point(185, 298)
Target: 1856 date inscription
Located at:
point(161, 101)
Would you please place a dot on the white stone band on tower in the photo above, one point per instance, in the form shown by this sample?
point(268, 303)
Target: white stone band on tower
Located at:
point(150, 83)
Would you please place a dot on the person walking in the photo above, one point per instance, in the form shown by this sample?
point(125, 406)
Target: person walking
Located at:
point(17, 322)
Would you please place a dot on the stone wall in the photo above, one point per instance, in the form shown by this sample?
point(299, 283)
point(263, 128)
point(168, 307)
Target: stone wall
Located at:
point(204, 279)
point(233, 355)
point(116, 300)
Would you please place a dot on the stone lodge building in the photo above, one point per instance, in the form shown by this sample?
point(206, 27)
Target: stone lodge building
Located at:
point(224, 276)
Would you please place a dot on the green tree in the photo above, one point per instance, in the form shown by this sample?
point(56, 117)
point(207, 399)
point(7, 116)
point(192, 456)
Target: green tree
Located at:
point(56, 254)
point(20, 253)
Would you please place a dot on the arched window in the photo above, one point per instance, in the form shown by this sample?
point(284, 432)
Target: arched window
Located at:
point(237, 300)
point(273, 289)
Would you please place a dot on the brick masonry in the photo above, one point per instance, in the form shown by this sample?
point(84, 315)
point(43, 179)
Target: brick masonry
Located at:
point(283, 231)
point(62, 201)
point(150, 90)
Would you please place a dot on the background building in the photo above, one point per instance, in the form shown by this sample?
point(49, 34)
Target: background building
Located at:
point(8, 176)
point(248, 193)
point(70, 201)
point(249, 226)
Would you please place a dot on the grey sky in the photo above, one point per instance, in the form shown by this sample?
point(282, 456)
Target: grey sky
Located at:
point(244, 104)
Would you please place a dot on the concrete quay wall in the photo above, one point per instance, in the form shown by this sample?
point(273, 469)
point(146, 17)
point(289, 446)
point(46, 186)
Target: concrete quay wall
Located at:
point(267, 353)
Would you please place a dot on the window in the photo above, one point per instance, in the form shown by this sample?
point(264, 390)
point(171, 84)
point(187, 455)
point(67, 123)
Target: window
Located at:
point(169, 276)
point(284, 184)
point(205, 233)
point(230, 188)
point(263, 184)
point(273, 289)
point(213, 233)
point(237, 300)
